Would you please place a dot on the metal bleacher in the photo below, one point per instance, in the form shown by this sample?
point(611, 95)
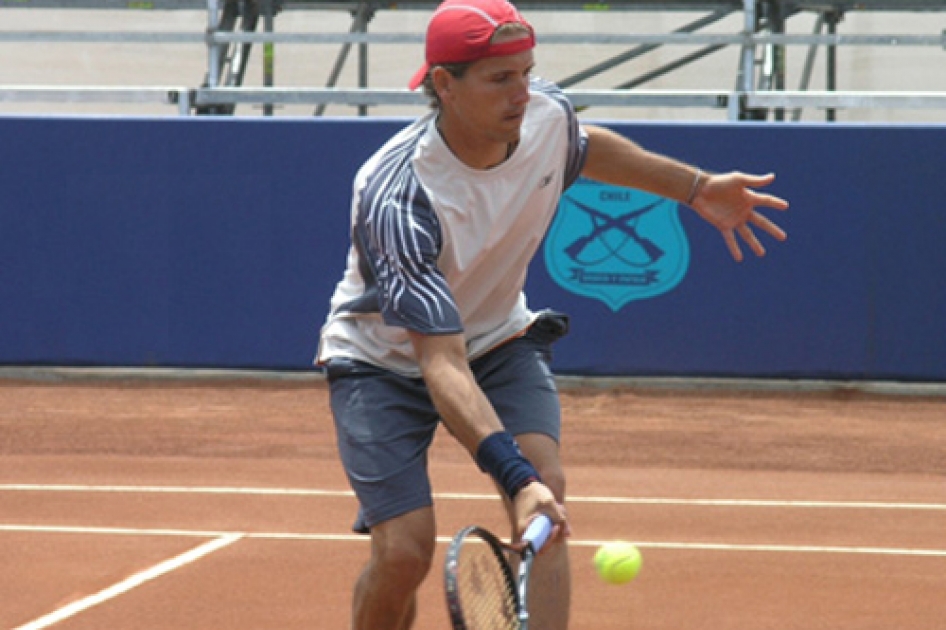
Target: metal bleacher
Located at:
point(235, 27)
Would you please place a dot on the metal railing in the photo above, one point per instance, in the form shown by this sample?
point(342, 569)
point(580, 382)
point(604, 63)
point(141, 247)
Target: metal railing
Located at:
point(758, 86)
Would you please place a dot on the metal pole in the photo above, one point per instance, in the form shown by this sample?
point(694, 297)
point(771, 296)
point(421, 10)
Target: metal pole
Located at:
point(358, 25)
point(747, 65)
point(833, 18)
point(809, 66)
point(777, 19)
point(213, 50)
point(748, 50)
point(269, 53)
point(365, 13)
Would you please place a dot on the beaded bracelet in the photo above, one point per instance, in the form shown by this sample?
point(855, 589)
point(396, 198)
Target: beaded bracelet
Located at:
point(695, 188)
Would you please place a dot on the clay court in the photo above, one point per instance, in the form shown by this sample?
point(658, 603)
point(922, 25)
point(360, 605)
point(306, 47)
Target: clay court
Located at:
point(219, 503)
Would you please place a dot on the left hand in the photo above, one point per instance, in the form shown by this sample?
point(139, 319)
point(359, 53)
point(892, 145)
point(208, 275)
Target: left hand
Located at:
point(728, 202)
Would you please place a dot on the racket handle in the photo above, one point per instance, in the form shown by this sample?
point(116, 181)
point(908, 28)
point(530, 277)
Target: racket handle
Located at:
point(537, 533)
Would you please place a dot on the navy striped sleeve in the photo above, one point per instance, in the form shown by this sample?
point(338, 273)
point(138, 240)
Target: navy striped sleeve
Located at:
point(401, 240)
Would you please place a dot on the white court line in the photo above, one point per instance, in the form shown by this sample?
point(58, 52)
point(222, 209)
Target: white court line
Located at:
point(685, 546)
point(128, 584)
point(306, 492)
point(113, 531)
point(222, 490)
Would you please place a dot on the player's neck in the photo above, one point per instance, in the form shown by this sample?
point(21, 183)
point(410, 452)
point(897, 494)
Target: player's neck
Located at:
point(475, 150)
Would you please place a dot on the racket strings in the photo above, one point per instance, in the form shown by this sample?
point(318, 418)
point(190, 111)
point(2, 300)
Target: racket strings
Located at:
point(486, 595)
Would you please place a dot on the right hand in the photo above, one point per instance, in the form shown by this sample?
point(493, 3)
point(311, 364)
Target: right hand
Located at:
point(535, 499)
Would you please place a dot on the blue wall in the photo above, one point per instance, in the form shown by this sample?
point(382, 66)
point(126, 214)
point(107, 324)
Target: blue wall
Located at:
point(217, 242)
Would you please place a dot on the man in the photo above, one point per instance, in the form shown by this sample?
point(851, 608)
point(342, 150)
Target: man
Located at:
point(429, 322)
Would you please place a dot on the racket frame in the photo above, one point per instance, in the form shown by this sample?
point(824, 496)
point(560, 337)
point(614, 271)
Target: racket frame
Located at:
point(451, 583)
point(525, 570)
point(534, 537)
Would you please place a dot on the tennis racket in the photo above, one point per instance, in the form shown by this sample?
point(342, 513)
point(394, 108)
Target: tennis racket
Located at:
point(482, 591)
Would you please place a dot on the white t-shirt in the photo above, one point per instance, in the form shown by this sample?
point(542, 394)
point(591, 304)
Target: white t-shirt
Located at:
point(442, 248)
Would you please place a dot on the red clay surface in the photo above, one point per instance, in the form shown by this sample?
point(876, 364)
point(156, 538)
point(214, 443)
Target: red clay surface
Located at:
point(753, 511)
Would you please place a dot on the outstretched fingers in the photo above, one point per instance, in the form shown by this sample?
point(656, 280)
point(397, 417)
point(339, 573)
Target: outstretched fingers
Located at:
point(750, 238)
point(763, 223)
point(768, 201)
point(754, 181)
point(750, 182)
point(729, 236)
point(730, 202)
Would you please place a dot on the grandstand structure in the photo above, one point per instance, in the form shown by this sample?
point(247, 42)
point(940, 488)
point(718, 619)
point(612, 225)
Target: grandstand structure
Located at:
point(758, 89)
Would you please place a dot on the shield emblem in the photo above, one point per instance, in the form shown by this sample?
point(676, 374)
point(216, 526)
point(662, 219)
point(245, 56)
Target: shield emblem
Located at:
point(616, 244)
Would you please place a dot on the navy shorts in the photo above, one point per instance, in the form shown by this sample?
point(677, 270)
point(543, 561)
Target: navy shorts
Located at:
point(385, 422)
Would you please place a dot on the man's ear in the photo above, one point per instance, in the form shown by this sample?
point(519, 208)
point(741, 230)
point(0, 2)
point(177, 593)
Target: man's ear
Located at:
point(442, 81)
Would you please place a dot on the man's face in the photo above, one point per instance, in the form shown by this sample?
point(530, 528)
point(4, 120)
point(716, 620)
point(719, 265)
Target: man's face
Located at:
point(489, 101)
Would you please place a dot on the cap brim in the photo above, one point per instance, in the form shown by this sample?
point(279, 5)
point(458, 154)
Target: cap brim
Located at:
point(418, 77)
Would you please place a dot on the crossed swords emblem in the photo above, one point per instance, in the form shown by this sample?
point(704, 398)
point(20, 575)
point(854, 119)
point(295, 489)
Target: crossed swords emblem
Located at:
point(603, 223)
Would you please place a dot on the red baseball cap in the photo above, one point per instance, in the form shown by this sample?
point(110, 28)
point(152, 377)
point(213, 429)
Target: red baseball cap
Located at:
point(460, 31)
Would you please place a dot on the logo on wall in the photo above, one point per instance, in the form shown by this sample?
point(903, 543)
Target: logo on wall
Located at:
point(616, 244)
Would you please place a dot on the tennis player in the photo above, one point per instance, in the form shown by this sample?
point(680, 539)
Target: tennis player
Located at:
point(429, 323)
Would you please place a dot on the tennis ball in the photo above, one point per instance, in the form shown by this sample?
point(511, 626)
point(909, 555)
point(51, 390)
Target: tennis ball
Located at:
point(618, 562)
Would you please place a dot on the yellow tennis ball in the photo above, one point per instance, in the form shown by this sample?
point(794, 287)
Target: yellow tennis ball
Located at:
point(618, 562)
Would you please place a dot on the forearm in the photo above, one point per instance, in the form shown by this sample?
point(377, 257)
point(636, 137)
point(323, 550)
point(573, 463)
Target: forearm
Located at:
point(461, 403)
point(726, 201)
point(468, 414)
point(614, 159)
point(463, 406)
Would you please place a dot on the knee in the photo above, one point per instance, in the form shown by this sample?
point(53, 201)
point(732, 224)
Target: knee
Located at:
point(404, 559)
